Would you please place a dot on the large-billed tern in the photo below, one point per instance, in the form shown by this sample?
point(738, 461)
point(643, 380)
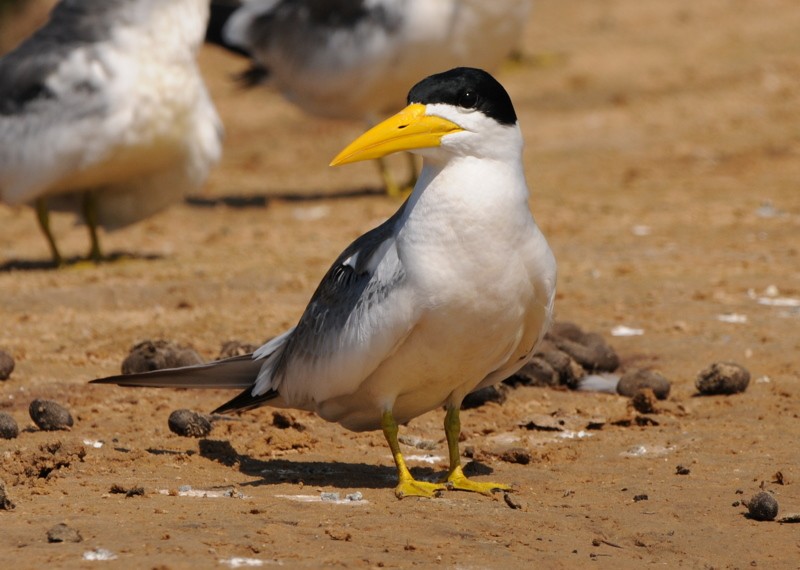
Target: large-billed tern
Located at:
point(450, 294)
point(103, 113)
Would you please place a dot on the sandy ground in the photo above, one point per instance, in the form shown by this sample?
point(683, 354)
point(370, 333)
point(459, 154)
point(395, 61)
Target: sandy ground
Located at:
point(664, 156)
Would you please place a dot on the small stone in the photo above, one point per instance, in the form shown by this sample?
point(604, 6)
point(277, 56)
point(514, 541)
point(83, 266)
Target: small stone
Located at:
point(642, 497)
point(511, 501)
point(644, 401)
point(285, 420)
point(329, 497)
point(117, 489)
point(157, 355)
point(357, 496)
point(419, 443)
point(681, 470)
point(187, 423)
point(569, 371)
point(516, 455)
point(723, 378)
point(49, 415)
point(478, 398)
point(233, 348)
point(537, 372)
point(634, 380)
point(762, 507)
point(5, 503)
point(6, 365)
point(589, 350)
point(63, 533)
point(8, 426)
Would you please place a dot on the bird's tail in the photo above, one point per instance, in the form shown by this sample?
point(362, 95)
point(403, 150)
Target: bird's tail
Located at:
point(236, 372)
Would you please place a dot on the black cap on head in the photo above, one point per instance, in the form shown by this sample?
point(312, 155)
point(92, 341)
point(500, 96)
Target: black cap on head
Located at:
point(469, 88)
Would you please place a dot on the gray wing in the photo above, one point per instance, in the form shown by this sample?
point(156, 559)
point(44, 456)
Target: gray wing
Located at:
point(52, 90)
point(298, 28)
point(73, 24)
point(357, 316)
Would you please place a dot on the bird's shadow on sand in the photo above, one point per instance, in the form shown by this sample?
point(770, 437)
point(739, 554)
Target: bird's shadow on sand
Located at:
point(73, 262)
point(318, 473)
point(242, 201)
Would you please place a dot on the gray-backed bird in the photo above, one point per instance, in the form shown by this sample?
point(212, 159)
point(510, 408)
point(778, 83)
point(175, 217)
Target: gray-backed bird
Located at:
point(451, 294)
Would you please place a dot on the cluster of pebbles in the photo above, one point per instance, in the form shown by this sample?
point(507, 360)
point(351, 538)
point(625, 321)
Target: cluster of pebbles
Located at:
point(46, 414)
point(579, 360)
point(568, 357)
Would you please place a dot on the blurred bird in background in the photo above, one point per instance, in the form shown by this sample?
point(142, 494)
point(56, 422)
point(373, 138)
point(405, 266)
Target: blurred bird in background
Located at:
point(103, 113)
point(356, 59)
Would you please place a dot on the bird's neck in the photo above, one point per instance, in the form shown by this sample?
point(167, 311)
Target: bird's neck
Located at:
point(464, 198)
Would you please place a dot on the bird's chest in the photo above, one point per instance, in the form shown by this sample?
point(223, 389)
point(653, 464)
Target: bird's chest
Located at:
point(475, 294)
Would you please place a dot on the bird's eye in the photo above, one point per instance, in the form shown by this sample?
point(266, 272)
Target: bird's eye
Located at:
point(468, 99)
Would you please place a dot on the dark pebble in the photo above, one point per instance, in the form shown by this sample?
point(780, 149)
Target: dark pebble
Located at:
point(117, 489)
point(187, 423)
point(516, 455)
point(637, 498)
point(723, 378)
point(590, 350)
point(285, 420)
point(537, 372)
point(5, 503)
point(233, 348)
point(569, 371)
point(681, 470)
point(762, 507)
point(6, 365)
point(8, 426)
point(157, 355)
point(480, 397)
point(63, 533)
point(49, 415)
point(634, 380)
point(644, 401)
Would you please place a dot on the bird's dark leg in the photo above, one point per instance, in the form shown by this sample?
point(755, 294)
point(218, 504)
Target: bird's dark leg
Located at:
point(43, 215)
point(90, 217)
point(407, 485)
point(455, 477)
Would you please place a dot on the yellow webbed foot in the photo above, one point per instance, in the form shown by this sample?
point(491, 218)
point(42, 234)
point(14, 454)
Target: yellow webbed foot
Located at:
point(459, 482)
point(413, 488)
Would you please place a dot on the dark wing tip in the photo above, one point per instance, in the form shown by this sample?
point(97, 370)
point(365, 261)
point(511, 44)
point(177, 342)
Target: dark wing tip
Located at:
point(245, 401)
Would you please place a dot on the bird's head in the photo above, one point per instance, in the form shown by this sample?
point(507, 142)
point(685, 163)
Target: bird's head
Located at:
point(464, 112)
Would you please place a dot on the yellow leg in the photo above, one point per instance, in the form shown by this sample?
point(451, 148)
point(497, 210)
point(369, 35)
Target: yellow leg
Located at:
point(455, 477)
point(90, 217)
point(407, 485)
point(412, 172)
point(394, 189)
point(43, 215)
